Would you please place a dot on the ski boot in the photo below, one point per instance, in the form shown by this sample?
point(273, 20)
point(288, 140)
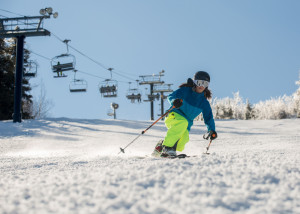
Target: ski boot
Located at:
point(169, 152)
point(158, 149)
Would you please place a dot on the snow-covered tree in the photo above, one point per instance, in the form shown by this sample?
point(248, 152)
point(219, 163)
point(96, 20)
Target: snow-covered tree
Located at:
point(238, 106)
point(248, 111)
point(275, 108)
point(296, 98)
point(229, 108)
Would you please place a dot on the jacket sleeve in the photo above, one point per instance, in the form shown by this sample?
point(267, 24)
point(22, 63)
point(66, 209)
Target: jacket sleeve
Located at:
point(208, 117)
point(174, 95)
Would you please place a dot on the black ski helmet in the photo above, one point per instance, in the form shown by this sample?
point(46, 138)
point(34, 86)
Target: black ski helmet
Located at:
point(202, 75)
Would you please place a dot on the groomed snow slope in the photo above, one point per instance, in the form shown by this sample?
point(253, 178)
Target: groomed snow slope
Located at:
point(71, 166)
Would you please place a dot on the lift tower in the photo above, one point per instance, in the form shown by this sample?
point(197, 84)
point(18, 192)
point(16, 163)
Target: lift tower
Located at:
point(19, 28)
point(152, 80)
point(165, 88)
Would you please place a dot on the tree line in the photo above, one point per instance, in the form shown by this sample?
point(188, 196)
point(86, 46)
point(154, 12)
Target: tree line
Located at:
point(7, 77)
point(275, 108)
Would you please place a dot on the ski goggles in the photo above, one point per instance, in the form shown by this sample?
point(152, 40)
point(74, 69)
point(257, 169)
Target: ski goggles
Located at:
point(202, 83)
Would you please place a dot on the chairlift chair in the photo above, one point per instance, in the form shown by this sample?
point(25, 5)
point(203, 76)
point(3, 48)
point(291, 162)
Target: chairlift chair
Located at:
point(108, 88)
point(30, 69)
point(153, 97)
point(78, 85)
point(63, 62)
point(134, 95)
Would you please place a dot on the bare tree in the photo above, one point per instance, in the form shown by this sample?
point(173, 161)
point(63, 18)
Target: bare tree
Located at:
point(41, 105)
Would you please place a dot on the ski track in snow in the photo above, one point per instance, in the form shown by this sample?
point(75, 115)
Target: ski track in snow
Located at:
point(71, 166)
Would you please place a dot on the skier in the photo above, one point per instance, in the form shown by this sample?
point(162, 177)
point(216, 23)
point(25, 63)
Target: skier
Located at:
point(189, 101)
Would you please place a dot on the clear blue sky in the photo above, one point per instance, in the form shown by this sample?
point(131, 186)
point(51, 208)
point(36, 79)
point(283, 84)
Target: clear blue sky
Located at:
point(247, 46)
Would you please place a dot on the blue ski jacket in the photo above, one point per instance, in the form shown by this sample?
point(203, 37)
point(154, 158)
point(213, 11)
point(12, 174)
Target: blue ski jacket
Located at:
point(193, 104)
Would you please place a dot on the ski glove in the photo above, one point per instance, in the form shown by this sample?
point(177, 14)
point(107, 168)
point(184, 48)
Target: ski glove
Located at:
point(177, 103)
point(210, 135)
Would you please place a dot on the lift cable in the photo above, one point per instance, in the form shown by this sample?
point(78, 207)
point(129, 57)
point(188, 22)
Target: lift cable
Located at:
point(77, 71)
point(40, 55)
point(96, 62)
point(10, 12)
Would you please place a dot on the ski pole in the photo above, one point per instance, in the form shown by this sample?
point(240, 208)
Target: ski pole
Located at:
point(206, 136)
point(207, 148)
point(143, 132)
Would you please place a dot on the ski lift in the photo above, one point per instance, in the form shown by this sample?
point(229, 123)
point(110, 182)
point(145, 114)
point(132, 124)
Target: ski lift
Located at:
point(152, 79)
point(162, 88)
point(153, 97)
point(109, 87)
point(63, 62)
point(134, 94)
point(78, 85)
point(30, 69)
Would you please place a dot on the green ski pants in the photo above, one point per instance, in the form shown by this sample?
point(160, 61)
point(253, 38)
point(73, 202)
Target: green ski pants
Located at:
point(177, 131)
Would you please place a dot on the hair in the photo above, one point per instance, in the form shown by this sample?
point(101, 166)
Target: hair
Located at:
point(207, 92)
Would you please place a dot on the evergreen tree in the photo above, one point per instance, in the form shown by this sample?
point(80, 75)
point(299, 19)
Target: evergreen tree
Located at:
point(7, 78)
point(248, 111)
point(229, 113)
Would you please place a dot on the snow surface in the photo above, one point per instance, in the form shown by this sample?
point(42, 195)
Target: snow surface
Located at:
point(72, 166)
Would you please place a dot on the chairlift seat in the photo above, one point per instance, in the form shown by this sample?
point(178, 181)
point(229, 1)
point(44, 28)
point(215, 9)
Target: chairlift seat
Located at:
point(78, 85)
point(78, 90)
point(109, 95)
point(153, 96)
point(29, 75)
point(108, 88)
point(60, 76)
point(63, 67)
point(63, 62)
point(134, 96)
point(105, 89)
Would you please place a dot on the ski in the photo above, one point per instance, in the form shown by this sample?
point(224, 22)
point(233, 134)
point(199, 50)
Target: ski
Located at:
point(180, 156)
point(175, 156)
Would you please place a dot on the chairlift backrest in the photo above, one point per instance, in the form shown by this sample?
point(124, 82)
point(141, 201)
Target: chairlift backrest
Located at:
point(30, 69)
point(63, 62)
point(154, 96)
point(108, 88)
point(134, 94)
